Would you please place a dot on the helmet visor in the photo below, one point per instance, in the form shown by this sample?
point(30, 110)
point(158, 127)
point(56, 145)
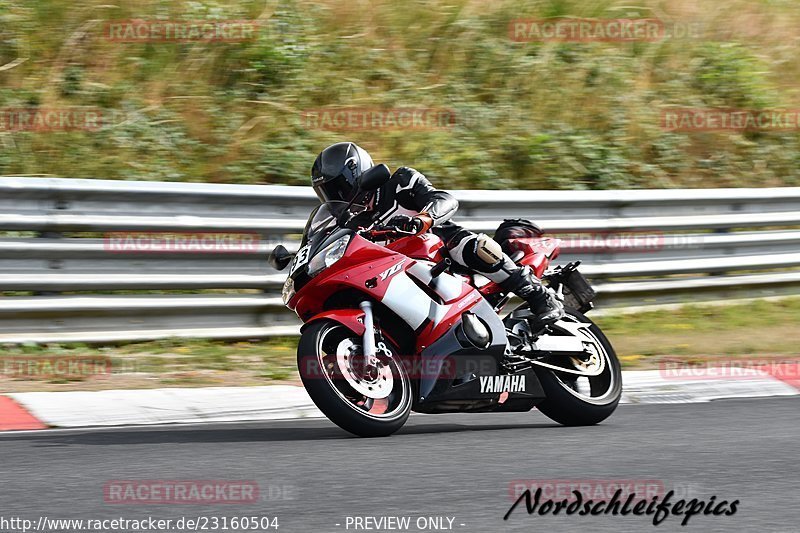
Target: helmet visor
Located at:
point(333, 191)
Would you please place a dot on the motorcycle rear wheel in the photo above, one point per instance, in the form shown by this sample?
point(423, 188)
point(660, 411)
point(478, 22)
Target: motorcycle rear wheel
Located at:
point(368, 401)
point(570, 401)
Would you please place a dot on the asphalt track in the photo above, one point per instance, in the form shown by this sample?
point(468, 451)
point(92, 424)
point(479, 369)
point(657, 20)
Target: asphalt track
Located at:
point(312, 475)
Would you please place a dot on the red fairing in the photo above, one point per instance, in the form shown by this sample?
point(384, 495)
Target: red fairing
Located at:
point(426, 246)
point(364, 260)
point(539, 251)
point(371, 269)
point(353, 319)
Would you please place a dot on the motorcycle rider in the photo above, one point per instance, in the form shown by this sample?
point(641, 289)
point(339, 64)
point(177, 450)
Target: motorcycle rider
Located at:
point(408, 201)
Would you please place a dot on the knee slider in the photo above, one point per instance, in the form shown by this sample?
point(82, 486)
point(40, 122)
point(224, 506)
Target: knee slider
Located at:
point(484, 254)
point(488, 249)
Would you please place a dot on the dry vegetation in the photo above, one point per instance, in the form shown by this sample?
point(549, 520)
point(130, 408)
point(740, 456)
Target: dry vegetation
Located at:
point(528, 115)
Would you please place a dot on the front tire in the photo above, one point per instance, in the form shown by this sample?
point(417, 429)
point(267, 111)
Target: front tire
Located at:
point(370, 401)
point(571, 405)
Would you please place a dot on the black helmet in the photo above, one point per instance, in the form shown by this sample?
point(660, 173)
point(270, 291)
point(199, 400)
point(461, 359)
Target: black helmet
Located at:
point(337, 170)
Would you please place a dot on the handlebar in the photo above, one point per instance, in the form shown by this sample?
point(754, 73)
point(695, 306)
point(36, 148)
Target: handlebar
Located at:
point(386, 232)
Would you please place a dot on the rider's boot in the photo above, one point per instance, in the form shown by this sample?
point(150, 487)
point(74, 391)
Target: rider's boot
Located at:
point(544, 305)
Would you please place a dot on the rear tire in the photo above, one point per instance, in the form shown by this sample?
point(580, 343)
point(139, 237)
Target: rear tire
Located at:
point(336, 396)
point(567, 406)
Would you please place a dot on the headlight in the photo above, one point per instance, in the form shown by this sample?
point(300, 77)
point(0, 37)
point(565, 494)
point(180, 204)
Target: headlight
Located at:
point(288, 291)
point(328, 256)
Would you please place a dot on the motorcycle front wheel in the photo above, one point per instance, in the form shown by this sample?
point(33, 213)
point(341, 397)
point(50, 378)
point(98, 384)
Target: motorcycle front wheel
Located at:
point(368, 399)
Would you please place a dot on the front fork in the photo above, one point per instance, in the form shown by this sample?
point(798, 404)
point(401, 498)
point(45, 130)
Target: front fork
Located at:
point(372, 341)
point(368, 341)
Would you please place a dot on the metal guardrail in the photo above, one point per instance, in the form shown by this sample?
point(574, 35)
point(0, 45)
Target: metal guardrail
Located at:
point(695, 244)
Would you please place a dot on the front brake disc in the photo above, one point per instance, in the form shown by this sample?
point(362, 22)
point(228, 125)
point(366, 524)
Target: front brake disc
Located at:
point(377, 385)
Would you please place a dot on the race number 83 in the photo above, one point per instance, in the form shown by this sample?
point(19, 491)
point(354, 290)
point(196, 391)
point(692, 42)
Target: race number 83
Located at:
point(300, 259)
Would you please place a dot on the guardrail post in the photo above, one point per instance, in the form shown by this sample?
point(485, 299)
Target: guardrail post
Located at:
point(52, 264)
point(59, 204)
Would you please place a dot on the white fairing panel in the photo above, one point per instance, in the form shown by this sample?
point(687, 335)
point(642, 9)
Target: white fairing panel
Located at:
point(446, 286)
point(407, 300)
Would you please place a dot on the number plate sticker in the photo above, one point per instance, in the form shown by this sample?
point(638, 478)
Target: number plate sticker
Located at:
point(300, 259)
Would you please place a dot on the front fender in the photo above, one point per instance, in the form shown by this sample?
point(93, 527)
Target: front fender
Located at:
point(352, 319)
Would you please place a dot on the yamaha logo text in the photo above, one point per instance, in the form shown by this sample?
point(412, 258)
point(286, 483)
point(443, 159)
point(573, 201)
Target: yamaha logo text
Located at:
point(502, 383)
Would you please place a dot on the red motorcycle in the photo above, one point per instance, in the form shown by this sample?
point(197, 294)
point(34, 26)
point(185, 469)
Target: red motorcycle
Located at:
point(391, 326)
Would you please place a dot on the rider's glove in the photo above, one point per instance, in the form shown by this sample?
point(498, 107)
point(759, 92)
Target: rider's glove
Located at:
point(418, 224)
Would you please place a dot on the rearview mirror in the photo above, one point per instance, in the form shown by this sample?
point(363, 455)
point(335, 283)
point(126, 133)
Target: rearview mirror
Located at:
point(374, 177)
point(280, 257)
